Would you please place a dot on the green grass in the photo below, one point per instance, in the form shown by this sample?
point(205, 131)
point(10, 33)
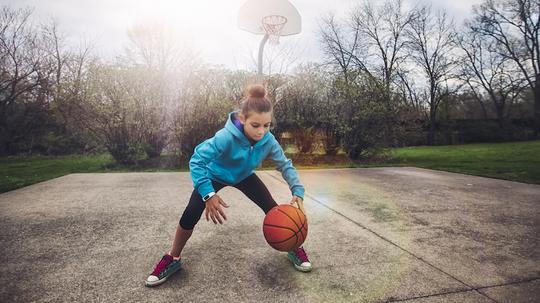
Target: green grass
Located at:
point(22, 171)
point(516, 161)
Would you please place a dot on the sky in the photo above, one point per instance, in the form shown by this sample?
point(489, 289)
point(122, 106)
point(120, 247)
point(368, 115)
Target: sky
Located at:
point(208, 26)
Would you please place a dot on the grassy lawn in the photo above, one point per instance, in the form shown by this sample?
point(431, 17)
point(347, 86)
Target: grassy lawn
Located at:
point(516, 161)
point(22, 171)
point(16, 172)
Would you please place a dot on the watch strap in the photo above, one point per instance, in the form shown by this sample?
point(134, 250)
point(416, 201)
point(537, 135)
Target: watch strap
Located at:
point(208, 196)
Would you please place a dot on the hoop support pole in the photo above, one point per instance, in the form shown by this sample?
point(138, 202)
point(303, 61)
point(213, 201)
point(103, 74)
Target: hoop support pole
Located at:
point(261, 50)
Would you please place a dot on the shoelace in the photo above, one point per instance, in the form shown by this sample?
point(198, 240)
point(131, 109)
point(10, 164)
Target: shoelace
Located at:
point(165, 261)
point(301, 254)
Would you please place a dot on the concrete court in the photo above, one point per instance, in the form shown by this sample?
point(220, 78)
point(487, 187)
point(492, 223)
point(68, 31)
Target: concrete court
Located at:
point(375, 235)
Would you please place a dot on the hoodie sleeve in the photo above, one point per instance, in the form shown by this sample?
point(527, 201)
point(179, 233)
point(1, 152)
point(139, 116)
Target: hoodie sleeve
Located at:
point(205, 153)
point(286, 168)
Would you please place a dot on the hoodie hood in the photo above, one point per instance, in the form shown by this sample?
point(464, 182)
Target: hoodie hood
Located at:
point(230, 127)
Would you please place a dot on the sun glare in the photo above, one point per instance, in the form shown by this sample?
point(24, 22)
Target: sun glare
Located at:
point(205, 25)
point(197, 16)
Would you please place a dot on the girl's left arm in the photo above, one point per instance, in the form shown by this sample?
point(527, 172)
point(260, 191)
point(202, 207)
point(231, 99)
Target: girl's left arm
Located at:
point(287, 170)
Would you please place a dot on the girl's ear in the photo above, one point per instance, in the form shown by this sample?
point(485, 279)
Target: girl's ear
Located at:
point(241, 118)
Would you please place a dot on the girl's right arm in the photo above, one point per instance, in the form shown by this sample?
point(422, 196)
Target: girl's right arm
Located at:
point(203, 154)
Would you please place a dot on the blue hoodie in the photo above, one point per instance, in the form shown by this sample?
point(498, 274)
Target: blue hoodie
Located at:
point(229, 158)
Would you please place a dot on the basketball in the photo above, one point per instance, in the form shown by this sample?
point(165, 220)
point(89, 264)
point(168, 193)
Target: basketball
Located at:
point(285, 227)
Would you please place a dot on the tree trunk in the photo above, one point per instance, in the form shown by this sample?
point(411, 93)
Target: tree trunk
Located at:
point(332, 141)
point(537, 107)
point(432, 127)
point(500, 115)
point(483, 107)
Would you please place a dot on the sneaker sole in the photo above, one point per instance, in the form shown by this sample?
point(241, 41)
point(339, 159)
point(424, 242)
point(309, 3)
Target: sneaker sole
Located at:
point(299, 268)
point(158, 282)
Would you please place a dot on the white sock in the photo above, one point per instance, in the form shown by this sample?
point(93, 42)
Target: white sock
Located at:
point(174, 258)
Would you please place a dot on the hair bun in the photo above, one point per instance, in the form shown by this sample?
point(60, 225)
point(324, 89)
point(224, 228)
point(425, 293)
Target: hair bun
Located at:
point(256, 91)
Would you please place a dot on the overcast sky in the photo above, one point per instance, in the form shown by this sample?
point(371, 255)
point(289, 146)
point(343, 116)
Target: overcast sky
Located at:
point(210, 26)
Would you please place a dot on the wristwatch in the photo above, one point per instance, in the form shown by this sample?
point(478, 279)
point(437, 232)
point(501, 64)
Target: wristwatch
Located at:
point(210, 195)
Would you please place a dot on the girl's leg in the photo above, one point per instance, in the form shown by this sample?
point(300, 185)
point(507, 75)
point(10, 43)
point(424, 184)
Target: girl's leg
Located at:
point(180, 239)
point(257, 192)
point(190, 217)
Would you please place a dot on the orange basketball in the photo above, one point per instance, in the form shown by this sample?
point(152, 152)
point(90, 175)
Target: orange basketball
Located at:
point(285, 227)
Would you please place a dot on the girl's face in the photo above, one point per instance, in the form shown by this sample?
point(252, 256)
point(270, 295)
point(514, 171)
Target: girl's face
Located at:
point(256, 125)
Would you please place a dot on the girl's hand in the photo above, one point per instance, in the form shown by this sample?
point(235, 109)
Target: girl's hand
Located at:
point(299, 202)
point(214, 211)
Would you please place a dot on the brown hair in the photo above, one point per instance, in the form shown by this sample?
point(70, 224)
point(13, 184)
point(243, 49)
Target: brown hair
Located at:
point(255, 100)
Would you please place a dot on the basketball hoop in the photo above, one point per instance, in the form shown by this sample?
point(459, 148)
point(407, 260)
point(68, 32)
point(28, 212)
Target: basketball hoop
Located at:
point(273, 24)
point(270, 18)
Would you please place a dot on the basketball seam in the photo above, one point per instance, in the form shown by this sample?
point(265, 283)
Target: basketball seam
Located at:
point(300, 231)
point(277, 242)
point(295, 234)
point(296, 241)
point(305, 219)
point(299, 228)
point(286, 214)
point(303, 223)
point(279, 226)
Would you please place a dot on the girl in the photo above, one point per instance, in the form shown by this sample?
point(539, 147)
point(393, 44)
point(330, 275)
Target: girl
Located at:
point(228, 159)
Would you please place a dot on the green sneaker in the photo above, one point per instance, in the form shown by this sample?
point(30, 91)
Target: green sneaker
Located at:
point(300, 259)
point(164, 269)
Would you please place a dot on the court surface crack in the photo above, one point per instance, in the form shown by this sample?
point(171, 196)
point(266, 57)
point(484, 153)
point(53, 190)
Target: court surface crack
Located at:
point(470, 288)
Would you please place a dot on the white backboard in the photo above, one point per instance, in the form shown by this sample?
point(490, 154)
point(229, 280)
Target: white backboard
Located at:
point(253, 11)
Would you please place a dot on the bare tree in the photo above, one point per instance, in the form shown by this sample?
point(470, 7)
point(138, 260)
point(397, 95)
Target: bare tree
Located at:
point(412, 95)
point(372, 41)
point(340, 46)
point(489, 74)
point(431, 48)
point(20, 77)
point(54, 47)
point(382, 28)
point(514, 25)
point(109, 110)
point(75, 90)
point(300, 112)
point(158, 46)
point(156, 51)
point(201, 108)
point(370, 47)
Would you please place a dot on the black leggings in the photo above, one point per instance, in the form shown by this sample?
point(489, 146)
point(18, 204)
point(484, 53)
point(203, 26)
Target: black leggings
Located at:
point(251, 186)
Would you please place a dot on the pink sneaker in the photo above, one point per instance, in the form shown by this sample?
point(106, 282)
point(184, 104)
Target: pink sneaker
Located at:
point(164, 269)
point(300, 259)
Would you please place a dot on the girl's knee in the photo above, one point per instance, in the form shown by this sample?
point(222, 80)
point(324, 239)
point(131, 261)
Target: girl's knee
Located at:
point(187, 224)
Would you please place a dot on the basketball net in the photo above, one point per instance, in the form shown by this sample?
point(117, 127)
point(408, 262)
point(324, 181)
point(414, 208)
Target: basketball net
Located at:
point(273, 25)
